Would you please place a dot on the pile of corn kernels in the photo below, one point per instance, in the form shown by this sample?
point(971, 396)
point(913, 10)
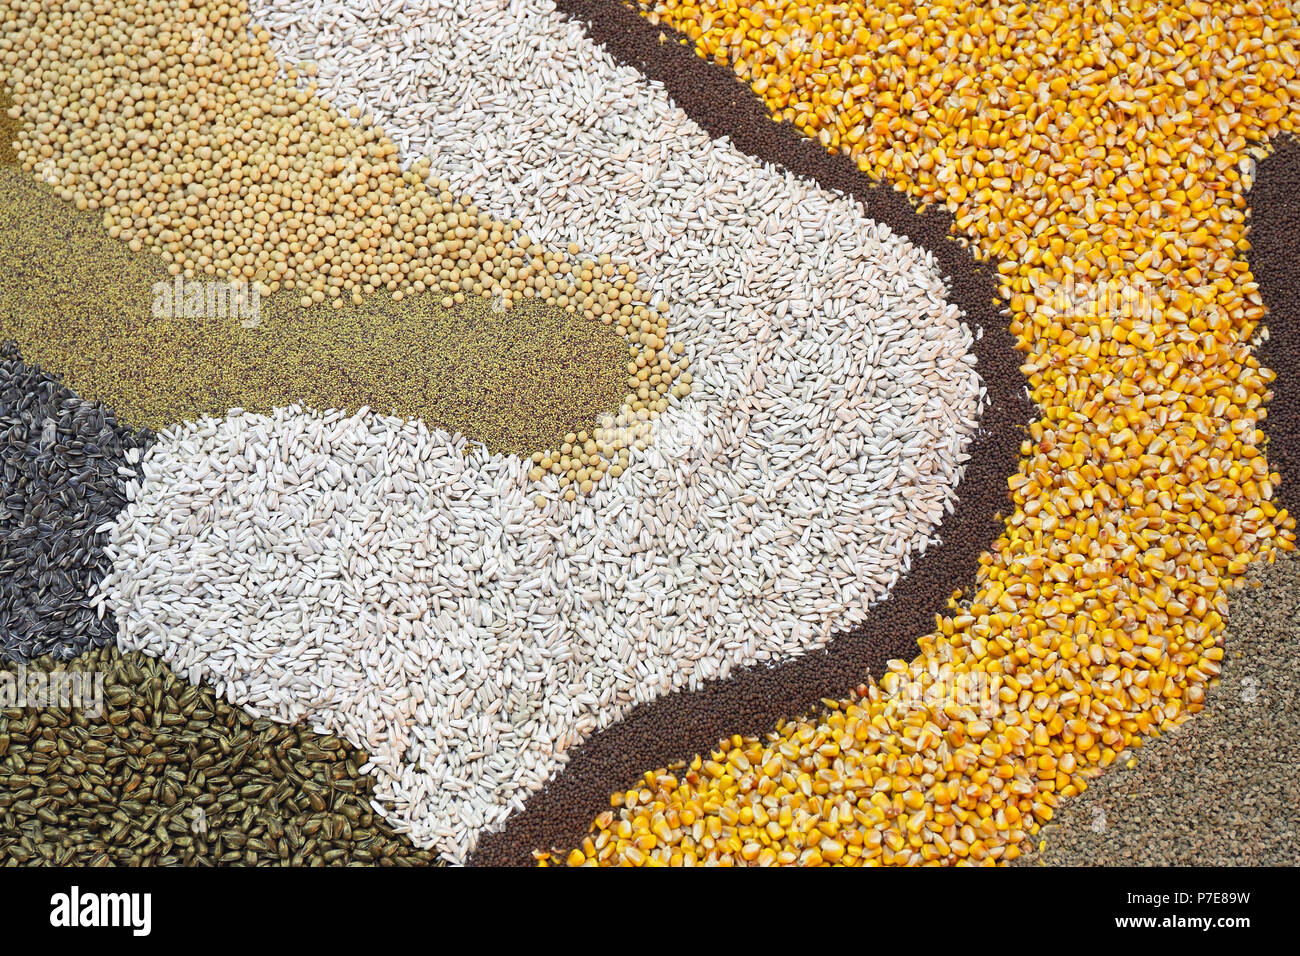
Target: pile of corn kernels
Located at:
point(1100, 154)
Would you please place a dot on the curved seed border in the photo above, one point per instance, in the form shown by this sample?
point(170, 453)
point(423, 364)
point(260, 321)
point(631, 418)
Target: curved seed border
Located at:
point(754, 698)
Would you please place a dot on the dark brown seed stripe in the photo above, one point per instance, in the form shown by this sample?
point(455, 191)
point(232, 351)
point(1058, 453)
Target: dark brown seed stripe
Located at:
point(686, 723)
point(169, 774)
point(1274, 259)
point(292, 796)
point(891, 631)
point(754, 699)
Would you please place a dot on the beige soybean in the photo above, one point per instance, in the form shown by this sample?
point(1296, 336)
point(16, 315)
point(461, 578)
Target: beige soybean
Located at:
point(176, 125)
point(84, 306)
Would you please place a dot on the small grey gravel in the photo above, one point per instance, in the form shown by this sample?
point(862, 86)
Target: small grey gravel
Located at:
point(63, 465)
point(1224, 788)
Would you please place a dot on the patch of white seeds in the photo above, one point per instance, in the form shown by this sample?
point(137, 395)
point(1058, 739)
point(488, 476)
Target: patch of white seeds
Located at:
point(368, 575)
